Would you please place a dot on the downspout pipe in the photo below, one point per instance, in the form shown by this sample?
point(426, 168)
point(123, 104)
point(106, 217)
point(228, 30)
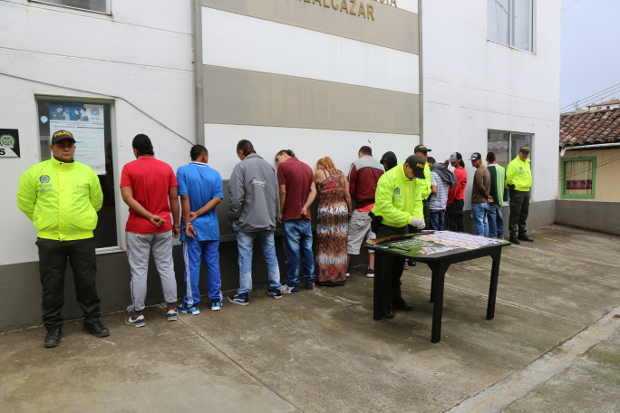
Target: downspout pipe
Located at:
point(586, 147)
point(421, 71)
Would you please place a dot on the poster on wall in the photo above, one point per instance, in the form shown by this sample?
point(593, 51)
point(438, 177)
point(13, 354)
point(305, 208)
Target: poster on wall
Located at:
point(9, 143)
point(86, 123)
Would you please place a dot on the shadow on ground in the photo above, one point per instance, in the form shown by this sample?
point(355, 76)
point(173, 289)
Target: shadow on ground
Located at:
point(320, 351)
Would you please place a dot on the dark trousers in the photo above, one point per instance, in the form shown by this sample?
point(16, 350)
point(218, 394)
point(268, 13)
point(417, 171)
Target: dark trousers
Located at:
point(427, 214)
point(53, 257)
point(455, 216)
point(519, 211)
point(389, 269)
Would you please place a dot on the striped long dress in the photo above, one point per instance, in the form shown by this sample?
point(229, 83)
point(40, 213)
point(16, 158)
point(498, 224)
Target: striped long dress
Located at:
point(332, 230)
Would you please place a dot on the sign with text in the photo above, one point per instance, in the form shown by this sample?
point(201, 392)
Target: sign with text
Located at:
point(9, 143)
point(356, 8)
point(86, 123)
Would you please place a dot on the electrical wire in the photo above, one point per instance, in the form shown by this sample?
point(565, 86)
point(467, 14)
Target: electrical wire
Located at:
point(594, 98)
point(130, 103)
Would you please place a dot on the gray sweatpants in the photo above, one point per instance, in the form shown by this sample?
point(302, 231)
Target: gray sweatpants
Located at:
point(139, 247)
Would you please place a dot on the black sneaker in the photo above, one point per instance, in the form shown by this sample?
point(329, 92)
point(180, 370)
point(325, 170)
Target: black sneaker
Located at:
point(97, 329)
point(525, 238)
point(53, 337)
point(514, 240)
point(309, 285)
point(274, 293)
point(240, 299)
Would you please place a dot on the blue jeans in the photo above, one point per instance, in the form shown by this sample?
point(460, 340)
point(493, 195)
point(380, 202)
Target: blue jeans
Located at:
point(496, 221)
point(298, 237)
point(480, 215)
point(195, 252)
point(245, 246)
point(438, 220)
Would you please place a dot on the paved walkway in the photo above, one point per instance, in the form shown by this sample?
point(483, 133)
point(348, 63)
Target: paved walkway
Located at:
point(554, 346)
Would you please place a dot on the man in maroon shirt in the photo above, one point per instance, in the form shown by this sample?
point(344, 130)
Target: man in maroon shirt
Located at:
point(363, 178)
point(297, 193)
point(149, 188)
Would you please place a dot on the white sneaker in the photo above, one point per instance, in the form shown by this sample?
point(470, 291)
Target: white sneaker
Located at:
point(172, 315)
point(286, 290)
point(348, 275)
point(370, 273)
point(136, 321)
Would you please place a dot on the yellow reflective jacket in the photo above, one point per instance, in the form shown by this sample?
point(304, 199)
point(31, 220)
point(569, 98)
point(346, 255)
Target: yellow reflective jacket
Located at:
point(519, 174)
point(61, 199)
point(398, 199)
point(428, 177)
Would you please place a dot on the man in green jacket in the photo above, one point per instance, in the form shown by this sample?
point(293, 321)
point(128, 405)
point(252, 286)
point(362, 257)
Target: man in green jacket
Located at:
point(61, 197)
point(398, 205)
point(519, 182)
point(498, 194)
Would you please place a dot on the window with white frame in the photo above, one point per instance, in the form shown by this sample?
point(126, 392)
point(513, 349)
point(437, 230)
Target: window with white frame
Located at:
point(511, 23)
point(99, 6)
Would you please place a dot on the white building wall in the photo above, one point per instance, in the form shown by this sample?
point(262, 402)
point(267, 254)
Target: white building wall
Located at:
point(235, 41)
point(142, 55)
point(471, 85)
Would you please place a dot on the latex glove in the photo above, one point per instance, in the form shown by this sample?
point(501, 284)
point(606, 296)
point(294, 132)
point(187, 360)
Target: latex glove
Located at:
point(417, 223)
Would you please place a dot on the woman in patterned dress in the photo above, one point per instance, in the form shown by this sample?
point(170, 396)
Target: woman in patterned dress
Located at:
point(332, 222)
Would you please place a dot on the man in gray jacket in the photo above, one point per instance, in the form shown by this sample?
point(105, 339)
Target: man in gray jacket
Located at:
point(254, 209)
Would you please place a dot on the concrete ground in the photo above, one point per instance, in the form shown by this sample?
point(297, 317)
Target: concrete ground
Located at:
point(554, 346)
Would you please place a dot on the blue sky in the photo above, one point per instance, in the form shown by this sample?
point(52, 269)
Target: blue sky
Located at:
point(590, 47)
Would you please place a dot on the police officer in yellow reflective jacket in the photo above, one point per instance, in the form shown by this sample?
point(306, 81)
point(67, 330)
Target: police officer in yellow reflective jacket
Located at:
point(61, 197)
point(398, 205)
point(519, 182)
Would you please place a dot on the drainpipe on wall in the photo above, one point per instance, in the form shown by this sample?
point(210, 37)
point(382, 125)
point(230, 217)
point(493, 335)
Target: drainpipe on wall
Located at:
point(198, 81)
point(421, 71)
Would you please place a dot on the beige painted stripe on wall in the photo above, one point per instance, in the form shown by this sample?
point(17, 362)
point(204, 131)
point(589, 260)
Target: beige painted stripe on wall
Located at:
point(243, 97)
point(393, 28)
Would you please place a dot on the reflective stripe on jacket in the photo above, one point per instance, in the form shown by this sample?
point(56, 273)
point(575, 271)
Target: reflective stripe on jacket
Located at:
point(61, 199)
point(399, 199)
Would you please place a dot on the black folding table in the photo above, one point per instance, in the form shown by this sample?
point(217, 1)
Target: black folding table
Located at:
point(449, 252)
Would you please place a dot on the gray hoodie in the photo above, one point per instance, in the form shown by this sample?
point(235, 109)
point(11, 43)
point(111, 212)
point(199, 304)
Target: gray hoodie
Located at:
point(253, 191)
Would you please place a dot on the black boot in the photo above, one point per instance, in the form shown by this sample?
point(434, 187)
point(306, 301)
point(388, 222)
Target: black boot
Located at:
point(513, 236)
point(97, 329)
point(401, 305)
point(525, 237)
point(53, 337)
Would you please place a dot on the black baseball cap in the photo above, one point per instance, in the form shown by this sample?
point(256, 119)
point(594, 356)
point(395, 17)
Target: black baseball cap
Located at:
point(456, 157)
point(525, 149)
point(62, 136)
point(422, 148)
point(476, 156)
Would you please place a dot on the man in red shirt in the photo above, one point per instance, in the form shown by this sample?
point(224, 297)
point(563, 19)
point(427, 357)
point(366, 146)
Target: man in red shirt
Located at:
point(297, 193)
point(149, 188)
point(363, 177)
point(456, 195)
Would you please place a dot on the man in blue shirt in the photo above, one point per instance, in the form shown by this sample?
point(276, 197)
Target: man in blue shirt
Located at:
point(200, 189)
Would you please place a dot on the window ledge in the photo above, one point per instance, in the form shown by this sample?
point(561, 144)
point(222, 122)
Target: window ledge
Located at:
point(78, 11)
point(516, 49)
